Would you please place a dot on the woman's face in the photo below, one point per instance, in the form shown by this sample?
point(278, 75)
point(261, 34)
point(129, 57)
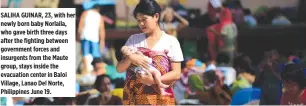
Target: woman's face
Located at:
point(147, 23)
point(106, 85)
point(169, 17)
point(291, 87)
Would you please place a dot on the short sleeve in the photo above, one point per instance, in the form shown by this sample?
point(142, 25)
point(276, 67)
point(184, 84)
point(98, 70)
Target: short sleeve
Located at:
point(130, 41)
point(175, 52)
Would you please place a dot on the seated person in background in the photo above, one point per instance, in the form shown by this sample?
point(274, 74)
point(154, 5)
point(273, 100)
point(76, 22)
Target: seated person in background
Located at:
point(215, 94)
point(118, 91)
point(64, 101)
point(245, 74)
point(41, 101)
point(128, 50)
point(224, 65)
point(99, 69)
point(280, 19)
point(168, 25)
point(103, 85)
point(248, 18)
point(294, 81)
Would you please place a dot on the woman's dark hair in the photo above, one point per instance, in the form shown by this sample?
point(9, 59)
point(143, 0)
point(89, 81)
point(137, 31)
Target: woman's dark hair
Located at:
point(99, 80)
point(294, 73)
point(147, 7)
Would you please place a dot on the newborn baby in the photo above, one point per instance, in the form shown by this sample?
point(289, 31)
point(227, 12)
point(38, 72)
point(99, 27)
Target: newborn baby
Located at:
point(156, 74)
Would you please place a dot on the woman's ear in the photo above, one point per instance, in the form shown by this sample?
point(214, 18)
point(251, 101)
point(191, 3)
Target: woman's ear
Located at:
point(156, 17)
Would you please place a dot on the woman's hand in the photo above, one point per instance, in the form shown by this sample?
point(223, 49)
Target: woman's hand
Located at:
point(146, 78)
point(139, 60)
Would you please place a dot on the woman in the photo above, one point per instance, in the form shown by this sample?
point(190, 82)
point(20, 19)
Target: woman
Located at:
point(103, 85)
point(165, 52)
point(167, 16)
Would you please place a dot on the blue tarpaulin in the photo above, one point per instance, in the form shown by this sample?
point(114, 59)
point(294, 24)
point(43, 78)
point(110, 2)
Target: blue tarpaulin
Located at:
point(89, 4)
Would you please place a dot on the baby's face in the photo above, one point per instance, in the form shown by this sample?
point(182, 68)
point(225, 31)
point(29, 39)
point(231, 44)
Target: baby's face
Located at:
point(127, 50)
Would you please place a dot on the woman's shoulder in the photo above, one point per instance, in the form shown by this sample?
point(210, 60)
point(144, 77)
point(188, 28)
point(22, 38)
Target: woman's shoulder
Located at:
point(138, 35)
point(170, 37)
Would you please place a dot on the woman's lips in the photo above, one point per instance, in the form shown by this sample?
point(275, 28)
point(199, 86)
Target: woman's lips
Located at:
point(143, 28)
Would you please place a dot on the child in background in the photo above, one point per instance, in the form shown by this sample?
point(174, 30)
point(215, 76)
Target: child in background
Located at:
point(156, 74)
point(294, 79)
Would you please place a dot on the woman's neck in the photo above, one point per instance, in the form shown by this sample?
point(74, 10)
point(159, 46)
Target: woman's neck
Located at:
point(155, 34)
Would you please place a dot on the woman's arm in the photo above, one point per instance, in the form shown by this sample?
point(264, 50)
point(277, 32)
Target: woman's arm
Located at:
point(183, 21)
point(123, 65)
point(173, 75)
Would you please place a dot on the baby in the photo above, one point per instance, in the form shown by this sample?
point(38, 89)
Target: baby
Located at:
point(156, 74)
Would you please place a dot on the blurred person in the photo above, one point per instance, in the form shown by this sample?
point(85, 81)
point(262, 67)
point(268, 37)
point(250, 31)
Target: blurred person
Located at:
point(294, 79)
point(99, 69)
point(269, 79)
point(103, 85)
point(243, 67)
point(224, 65)
point(280, 18)
point(64, 101)
point(165, 52)
point(118, 91)
point(222, 36)
point(237, 12)
point(15, 2)
point(248, 18)
point(41, 101)
point(193, 68)
point(195, 84)
point(91, 32)
point(178, 7)
point(245, 75)
point(170, 27)
point(215, 93)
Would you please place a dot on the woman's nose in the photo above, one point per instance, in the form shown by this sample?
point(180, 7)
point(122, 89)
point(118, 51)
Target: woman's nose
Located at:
point(141, 23)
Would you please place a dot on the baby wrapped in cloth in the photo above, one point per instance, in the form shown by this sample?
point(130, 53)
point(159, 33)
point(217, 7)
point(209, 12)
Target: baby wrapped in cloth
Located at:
point(127, 50)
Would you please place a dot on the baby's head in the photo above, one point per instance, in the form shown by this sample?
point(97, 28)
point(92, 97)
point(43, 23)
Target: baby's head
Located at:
point(293, 77)
point(128, 50)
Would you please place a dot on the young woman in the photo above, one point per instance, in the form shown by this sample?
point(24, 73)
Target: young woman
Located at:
point(103, 85)
point(170, 27)
point(165, 52)
point(294, 78)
